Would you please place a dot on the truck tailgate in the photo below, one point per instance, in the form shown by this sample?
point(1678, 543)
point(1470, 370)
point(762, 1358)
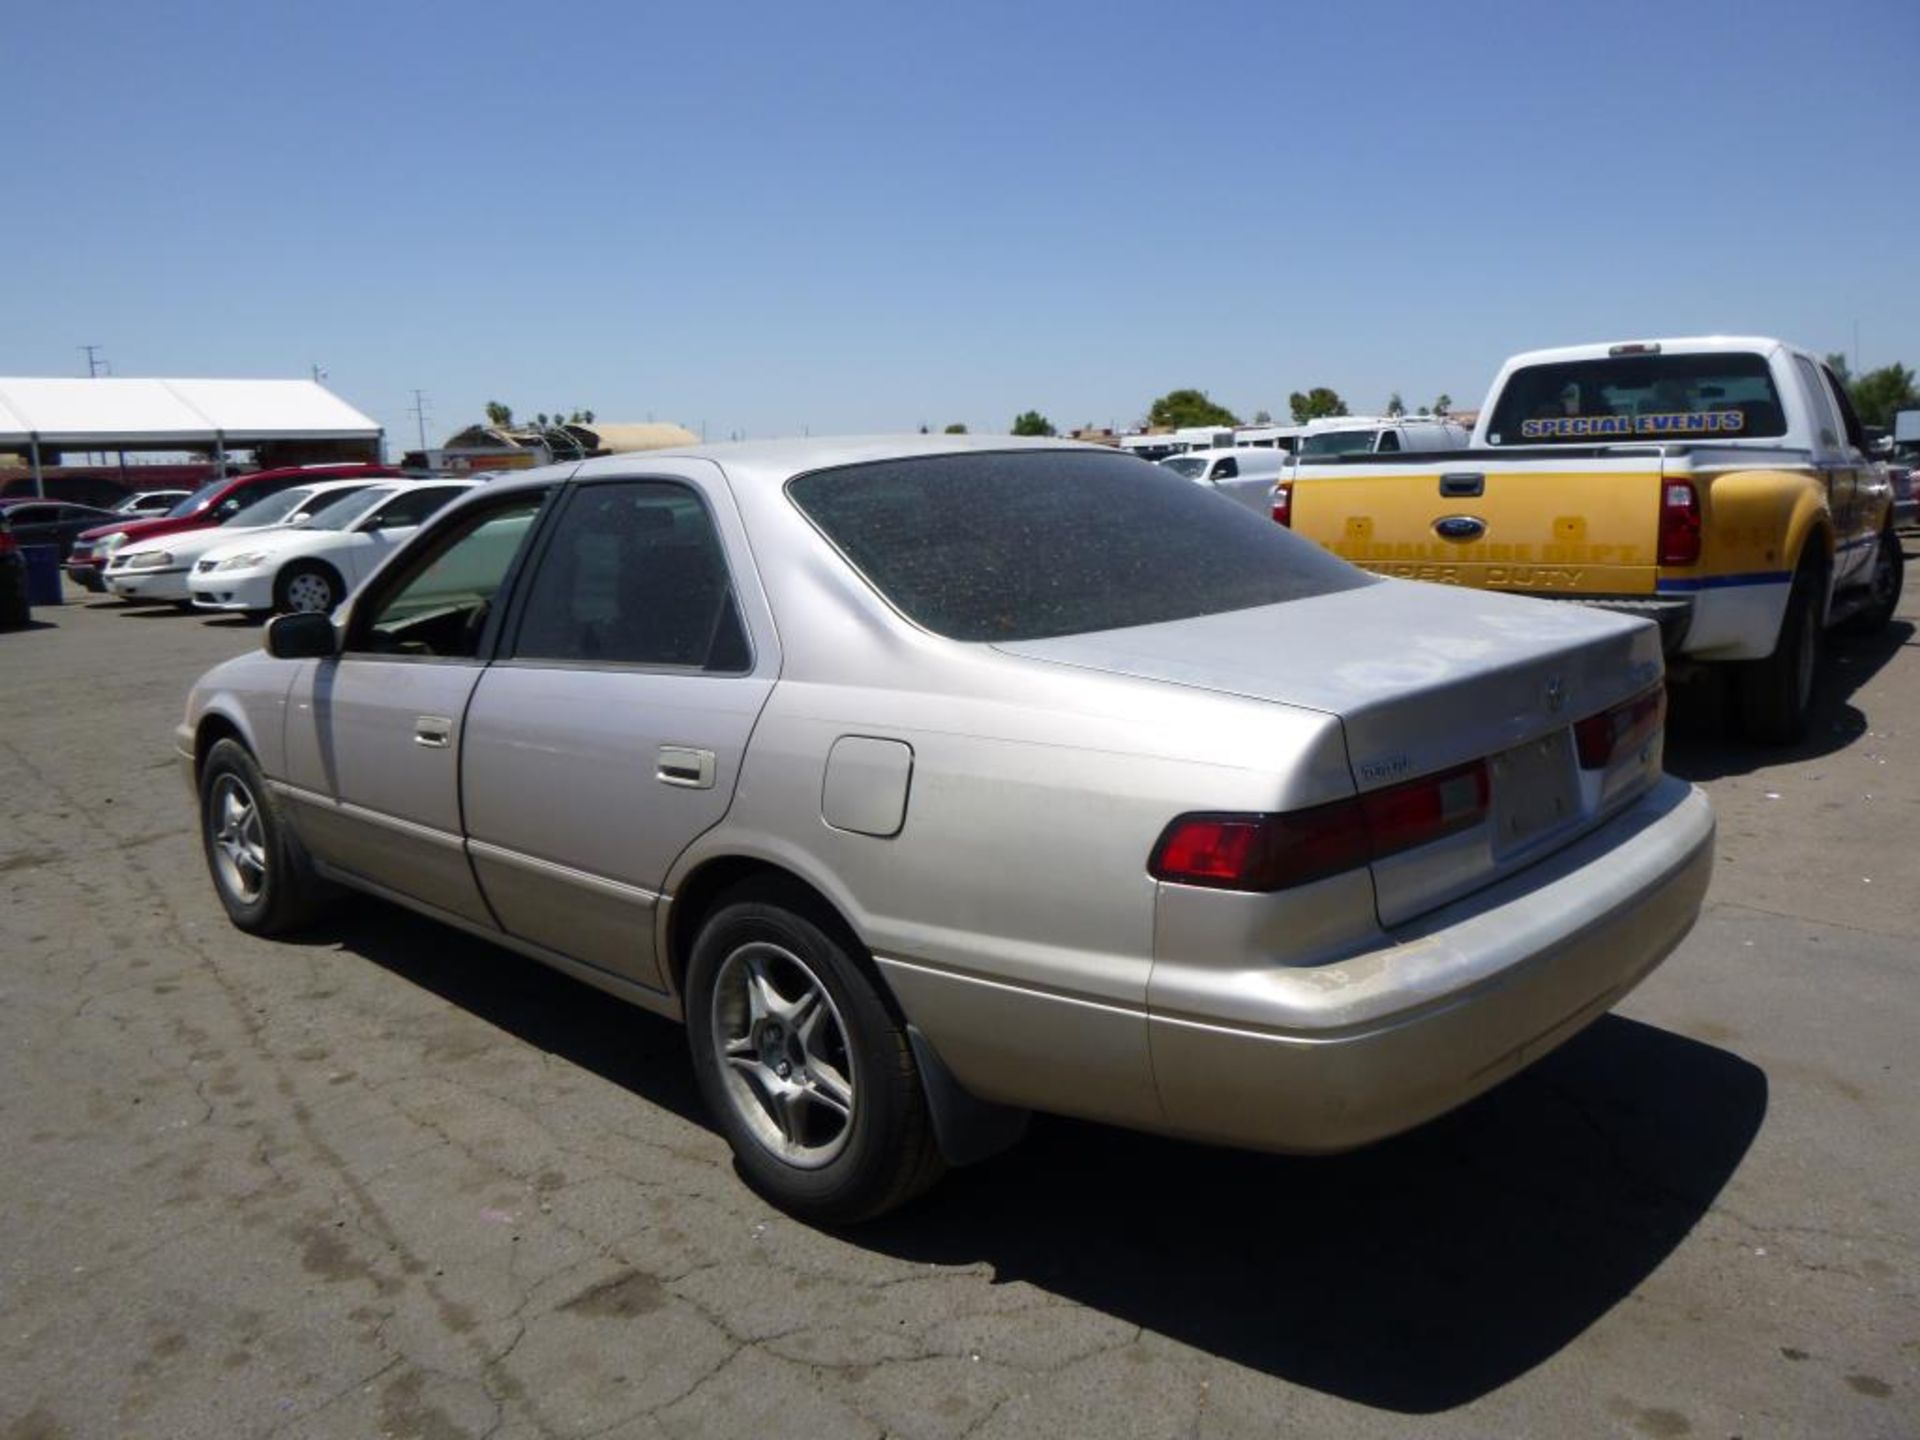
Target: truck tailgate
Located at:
point(1571, 526)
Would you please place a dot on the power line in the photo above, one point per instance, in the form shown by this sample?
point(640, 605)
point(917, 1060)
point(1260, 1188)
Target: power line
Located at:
point(419, 413)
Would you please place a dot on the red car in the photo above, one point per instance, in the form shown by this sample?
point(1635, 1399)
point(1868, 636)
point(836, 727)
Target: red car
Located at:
point(211, 504)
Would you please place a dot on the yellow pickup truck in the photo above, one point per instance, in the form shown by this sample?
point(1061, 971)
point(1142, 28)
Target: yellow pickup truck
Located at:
point(1718, 486)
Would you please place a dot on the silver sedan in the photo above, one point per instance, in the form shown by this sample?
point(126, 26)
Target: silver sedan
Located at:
point(936, 781)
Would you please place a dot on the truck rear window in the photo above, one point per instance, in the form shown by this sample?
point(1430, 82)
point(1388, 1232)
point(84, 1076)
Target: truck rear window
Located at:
point(1026, 545)
point(1639, 398)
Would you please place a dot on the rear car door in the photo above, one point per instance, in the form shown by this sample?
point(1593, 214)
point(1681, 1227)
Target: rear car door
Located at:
point(373, 734)
point(610, 731)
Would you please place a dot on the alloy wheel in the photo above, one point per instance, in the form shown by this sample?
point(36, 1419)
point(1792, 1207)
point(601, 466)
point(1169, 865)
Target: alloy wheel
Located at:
point(239, 839)
point(783, 1049)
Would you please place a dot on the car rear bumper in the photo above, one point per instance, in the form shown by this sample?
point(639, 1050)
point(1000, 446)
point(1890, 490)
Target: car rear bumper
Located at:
point(1330, 1057)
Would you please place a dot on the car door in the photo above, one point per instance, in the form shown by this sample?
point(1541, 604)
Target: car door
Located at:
point(388, 526)
point(34, 524)
point(1869, 493)
point(373, 734)
point(610, 731)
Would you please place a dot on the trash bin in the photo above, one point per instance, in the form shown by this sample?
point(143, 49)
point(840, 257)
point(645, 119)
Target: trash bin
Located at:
point(43, 574)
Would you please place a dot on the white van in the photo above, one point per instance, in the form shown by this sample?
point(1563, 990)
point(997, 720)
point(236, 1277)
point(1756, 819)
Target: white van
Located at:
point(1245, 473)
point(1380, 435)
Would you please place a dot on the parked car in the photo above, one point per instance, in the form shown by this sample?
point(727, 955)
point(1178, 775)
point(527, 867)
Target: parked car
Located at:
point(1718, 485)
point(936, 780)
point(1381, 435)
point(150, 502)
point(96, 490)
point(51, 522)
point(15, 612)
point(1245, 474)
point(216, 501)
point(313, 566)
point(159, 569)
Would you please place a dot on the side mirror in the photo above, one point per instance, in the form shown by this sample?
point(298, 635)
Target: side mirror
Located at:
point(307, 636)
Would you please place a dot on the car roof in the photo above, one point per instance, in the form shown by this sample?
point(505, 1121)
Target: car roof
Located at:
point(774, 462)
point(9, 501)
point(1669, 345)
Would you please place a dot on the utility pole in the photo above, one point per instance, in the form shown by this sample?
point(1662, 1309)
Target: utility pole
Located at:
point(318, 373)
point(419, 413)
point(95, 363)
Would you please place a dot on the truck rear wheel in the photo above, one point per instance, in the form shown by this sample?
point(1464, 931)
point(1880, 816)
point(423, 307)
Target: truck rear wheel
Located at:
point(1776, 694)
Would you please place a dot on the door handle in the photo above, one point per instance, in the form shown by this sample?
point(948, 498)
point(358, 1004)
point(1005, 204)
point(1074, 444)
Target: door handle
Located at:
point(686, 767)
point(1463, 484)
point(435, 732)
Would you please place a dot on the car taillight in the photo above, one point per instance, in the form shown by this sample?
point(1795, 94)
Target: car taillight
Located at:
point(1633, 722)
point(1257, 852)
point(1283, 504)
point(1679, 523)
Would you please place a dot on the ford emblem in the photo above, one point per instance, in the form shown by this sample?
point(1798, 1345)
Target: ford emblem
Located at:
point(1460, 527)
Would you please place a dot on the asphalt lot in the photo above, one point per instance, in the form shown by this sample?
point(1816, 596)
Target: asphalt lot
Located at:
point(386, 1180)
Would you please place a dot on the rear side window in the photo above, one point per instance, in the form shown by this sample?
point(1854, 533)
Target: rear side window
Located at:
point(1032, 544)
point(1637, 398)
point(634, 575)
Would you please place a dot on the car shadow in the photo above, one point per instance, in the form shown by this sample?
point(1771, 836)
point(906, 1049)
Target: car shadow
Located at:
point(1700, 742)
point(1413, 1276)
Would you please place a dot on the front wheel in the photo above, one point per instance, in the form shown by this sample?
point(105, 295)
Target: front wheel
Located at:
point(1889, 571)
point(308, 586)
point(260, 870)
point(808, 1072)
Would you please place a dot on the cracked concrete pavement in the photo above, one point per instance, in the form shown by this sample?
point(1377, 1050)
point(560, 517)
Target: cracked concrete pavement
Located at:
point(384, 1180)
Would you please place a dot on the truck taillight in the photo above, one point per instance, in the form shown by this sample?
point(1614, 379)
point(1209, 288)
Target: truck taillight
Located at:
point(1283, 504)
point(1632, 723)
point(1277, 852)
point(1679, 523)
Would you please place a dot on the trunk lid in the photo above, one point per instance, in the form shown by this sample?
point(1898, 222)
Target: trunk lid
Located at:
point(1423, 678)
point(1535, 524)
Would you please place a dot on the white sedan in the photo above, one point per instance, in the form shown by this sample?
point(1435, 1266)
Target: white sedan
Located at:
point(159, 570)
point(314, 566)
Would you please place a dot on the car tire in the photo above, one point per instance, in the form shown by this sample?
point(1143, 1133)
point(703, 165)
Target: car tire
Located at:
point(1889, 572)
point(1776, 694)
point(804, 1063)
point(308, 585)
point(260, 870)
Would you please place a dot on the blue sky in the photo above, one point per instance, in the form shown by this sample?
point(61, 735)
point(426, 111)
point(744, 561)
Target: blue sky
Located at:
point(763, 219)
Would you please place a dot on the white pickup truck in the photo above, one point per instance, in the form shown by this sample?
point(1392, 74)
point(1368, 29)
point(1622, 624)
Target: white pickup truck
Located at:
point(1719, 486)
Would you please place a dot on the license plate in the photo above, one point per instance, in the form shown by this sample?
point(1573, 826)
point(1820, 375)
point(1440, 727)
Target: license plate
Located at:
point(1536, 789)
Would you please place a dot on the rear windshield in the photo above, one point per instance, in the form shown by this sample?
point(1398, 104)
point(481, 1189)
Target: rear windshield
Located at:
point(1336, 442)
point(1638, 398)
point(1029, 545)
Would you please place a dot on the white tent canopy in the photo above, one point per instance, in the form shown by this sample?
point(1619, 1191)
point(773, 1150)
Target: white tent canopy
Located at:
point(113, 413)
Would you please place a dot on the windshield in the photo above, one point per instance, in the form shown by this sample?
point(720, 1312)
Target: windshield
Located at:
point(1187, 465)
point(342, 513)
point(197, 499)
point(1032, 544)
point(1337, 442)
point(1638, 398)
point(271, 510)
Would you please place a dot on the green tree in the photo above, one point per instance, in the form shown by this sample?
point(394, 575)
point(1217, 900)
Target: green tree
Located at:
point(1837, 363)
point(1316, 403)
point(1443, 404)
point(1262, 417)
point(956, 429)
point(1032, 422)
point(1880, 394)
point(498, 415)
point(1395, 405)
point(1179, 408)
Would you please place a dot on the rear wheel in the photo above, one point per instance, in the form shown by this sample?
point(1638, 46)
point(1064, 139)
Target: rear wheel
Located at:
point(1889, 570)
point(1776, 694)
point(799, 1058)
point(260, 870)
point(308, 586)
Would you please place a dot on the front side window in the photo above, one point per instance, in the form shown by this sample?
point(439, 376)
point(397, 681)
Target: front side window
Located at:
point(1618, 399)
point(439, 602)
point(272, 509)
point(1027, 545)
point(634, 575)
point(1226, 468)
